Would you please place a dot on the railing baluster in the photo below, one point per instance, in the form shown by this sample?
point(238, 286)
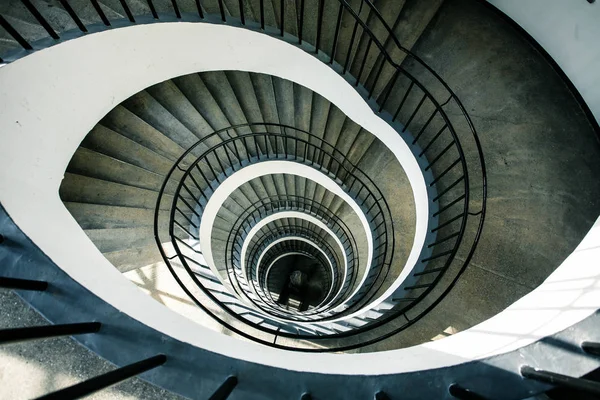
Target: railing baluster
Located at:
point(192, 209)
point(337, 33)
point(186, 217)
point(443, 192)
point(389, 91)
point(561, 380)
point(282, 18)
point(430, 271)
point(445, 172)
point(242, 16)
point(414, 113)
point(425, 126)
point(437, 158)
point(73, 15)
point(262, 14)
point(202, 174)
point(199, 7)
point(222, 10)
point(196, 183)
point(226, 149)
point(34, 11)
point(350, 45)
point(100, 12)
point(364, 61)
point(445, 253)
point(185, 230)
point(22, 284)
point(48, 331)
point(591, 348)
point(412, 83)
point(381, 396)
point(183, 242)
point(153, 10)
point(377, 75)
point(105, 380)
point(301, 22)
point(463, 394)
point(183, 185)
point(446, 223)
point(127, 10)
point(16, 35)
point(426, 285)
point(319, 25)
point(176, 9)
point(443, 239)
point(449, 205)
point(433, 140)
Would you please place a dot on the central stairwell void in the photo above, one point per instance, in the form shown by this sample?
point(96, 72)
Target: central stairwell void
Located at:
point(292, 182)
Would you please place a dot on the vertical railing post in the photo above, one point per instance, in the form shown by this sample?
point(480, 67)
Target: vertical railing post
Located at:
point(225, 389)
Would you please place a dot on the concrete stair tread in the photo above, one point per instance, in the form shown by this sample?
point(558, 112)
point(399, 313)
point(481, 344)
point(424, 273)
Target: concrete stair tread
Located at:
point(134, 258)
point(115, 239)
point(83, 189)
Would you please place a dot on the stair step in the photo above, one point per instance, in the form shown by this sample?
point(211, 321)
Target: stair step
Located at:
point(409, 26)
point(110, 240)
point(265, 94)
point(98, 216)
point(154, 114)
point(106, 141)
point(168, 95)
point(130, 125)
point(221, 91)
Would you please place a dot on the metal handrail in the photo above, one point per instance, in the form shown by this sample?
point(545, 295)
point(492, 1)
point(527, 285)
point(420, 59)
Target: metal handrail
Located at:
point(293, 231)
point(402, 69)
point(266, 146)
point(271, 205)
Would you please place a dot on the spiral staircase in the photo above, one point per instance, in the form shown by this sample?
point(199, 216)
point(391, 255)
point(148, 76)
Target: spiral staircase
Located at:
point(287, 199)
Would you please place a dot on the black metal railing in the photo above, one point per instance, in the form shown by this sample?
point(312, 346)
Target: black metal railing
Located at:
point(201, 169)
point(273, 205)
point(246, 148)
point(403, 89)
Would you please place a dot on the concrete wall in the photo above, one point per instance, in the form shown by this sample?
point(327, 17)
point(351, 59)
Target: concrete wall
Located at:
point(570, 32)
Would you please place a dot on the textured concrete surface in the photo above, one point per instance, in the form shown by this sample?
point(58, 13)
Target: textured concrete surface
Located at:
point(35, 368)
point(542, 158)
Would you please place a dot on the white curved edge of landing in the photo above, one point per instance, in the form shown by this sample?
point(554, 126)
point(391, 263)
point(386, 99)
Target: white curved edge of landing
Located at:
point(294, 214)
point(52, 98)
